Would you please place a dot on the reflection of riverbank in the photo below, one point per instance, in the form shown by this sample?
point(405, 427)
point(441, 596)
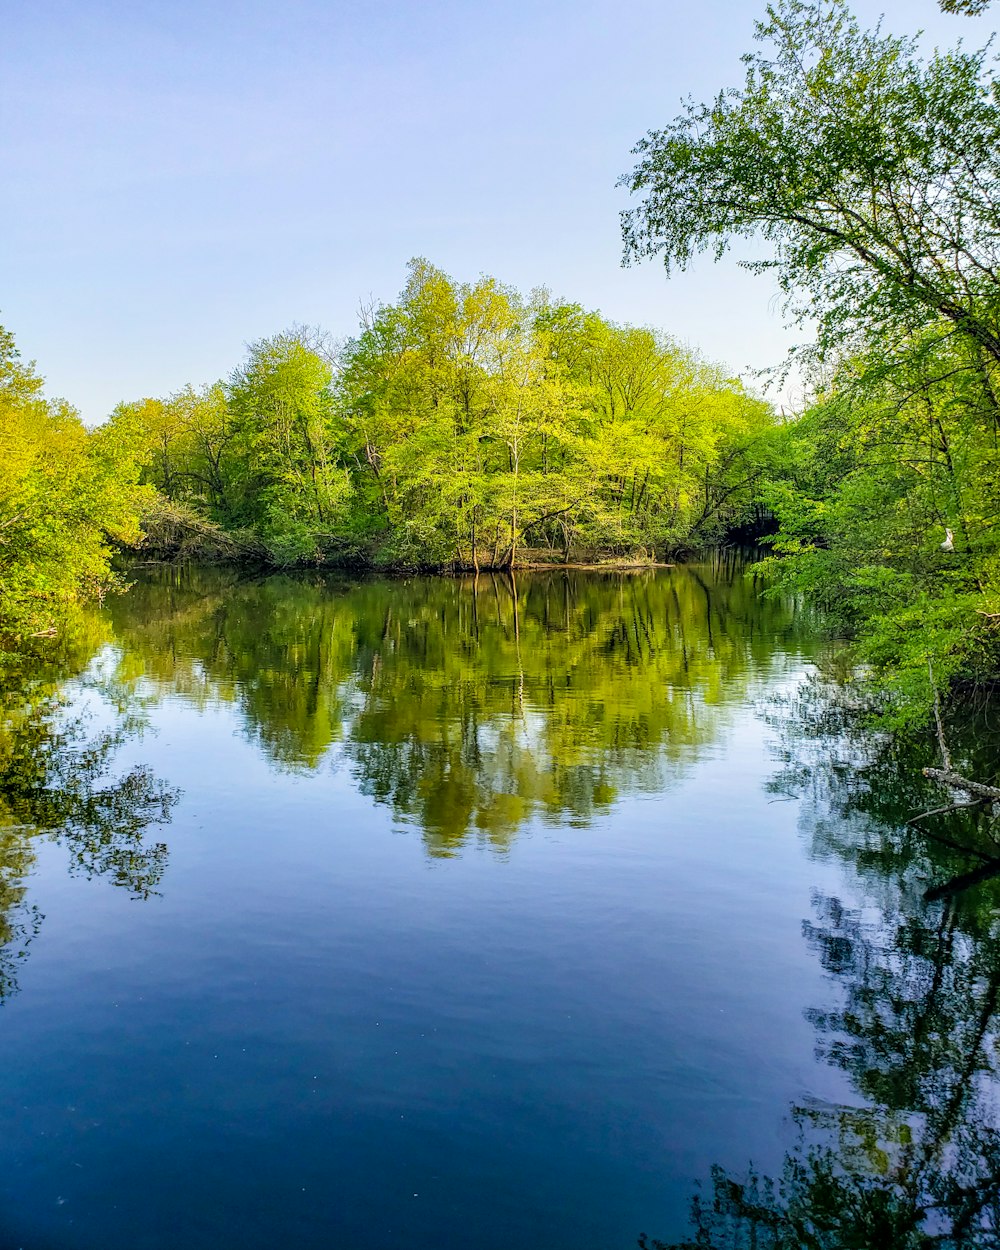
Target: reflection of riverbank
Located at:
point(56, 782)
point(469, 705)
point(593, 566)
point(917, 965)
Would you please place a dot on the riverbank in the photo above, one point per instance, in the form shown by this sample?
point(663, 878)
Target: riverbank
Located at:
point(177, 535)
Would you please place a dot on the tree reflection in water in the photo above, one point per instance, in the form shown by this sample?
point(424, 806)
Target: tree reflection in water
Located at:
point(918, 971)
point(470, 706)
point(56, 782)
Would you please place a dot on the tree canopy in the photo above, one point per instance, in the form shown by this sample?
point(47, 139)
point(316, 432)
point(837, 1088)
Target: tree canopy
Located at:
point(867, 180)
point(464, 425)
point(871, 174)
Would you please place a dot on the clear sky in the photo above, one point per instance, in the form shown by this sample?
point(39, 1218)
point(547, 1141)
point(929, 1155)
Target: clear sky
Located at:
point(180, 178)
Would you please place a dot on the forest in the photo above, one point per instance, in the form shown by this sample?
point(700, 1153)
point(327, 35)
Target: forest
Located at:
point(468, 427)
point(463, 427)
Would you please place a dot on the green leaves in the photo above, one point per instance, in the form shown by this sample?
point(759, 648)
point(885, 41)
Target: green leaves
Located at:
point(872, 174)
point(65, 496)
point(482, 424)
point(902, 448)
point(969, 7)
point(874, 177)
point(464, 426)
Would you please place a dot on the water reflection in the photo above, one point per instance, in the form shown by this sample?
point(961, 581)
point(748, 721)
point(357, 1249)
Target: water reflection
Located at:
point(470, 706)
point(56, 781)
point(917, 970)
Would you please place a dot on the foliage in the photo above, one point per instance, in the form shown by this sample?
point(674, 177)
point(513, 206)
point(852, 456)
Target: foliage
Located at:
point(464, 425)
point(254, 457)
point(66, 495)
point(287, 482)
point(872, 177)
point(486, 423)
point(969, 7)
point(871, 173)
point(898, 450)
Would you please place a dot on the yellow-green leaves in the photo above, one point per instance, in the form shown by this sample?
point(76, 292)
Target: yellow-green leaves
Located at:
point(464, 426)
point(65, 495)
point(485, 424)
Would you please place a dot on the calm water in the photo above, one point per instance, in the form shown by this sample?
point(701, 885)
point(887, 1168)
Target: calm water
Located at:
point(429, 914)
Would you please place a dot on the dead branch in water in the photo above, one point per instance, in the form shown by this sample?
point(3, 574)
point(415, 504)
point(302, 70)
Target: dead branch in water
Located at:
point(946, 777)
point(986, 871)
point(977, 794)
point(944, 811)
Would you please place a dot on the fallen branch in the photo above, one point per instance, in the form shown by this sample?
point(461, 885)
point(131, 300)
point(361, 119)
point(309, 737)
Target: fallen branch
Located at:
point(952, 845)
point(978, 794)
point(946, 777)
point(943, 811)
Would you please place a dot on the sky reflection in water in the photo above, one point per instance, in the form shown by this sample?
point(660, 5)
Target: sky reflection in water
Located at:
point(464, 915)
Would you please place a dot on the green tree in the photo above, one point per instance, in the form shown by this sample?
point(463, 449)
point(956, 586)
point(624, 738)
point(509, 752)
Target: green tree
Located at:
point(287, 481)
point(870, 175)
point(464, 426)
point(869, 172)
point(66, 496)
point(486, 425)
point(866, 483)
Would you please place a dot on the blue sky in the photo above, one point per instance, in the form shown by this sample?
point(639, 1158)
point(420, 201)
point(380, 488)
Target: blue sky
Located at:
point(182, 178)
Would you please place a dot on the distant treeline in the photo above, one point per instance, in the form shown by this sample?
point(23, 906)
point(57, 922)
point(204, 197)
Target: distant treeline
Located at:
point(464, 426)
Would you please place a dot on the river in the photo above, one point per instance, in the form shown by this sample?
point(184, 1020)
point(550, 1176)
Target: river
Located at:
point(480, 914)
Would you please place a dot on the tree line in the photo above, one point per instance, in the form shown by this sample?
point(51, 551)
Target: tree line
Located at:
point(463, 426)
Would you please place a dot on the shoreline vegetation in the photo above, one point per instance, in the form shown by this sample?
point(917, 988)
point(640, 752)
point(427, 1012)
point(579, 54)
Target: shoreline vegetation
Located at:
point(468, 427)
point(465, 426)
point(173, 535)
point(867, 174)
